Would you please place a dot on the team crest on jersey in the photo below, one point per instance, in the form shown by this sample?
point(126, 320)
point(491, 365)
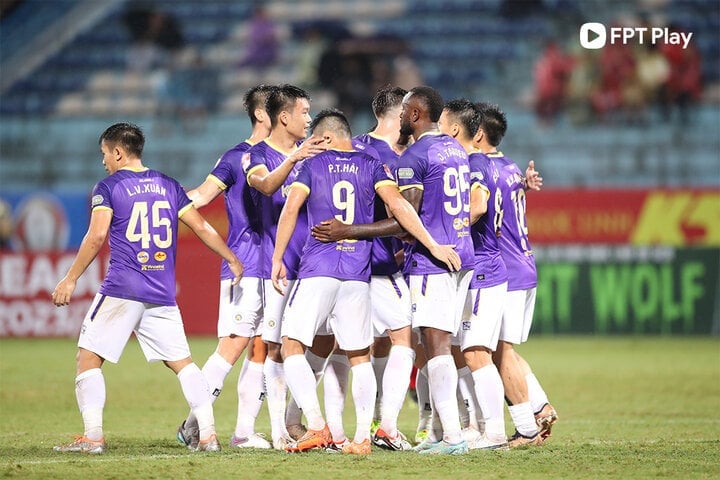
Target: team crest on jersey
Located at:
point(96, 200)
point(245, 161)
point(388, 172)
point(477, 176)
point(143, 257)
point(405, 173)
point(238, 318)
point(160, 256)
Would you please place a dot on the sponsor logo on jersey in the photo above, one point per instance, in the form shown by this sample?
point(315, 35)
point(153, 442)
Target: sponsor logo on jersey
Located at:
point(476, 176)
point(405, 173)
point(143, 256)
point(160, 256)
point(466, 222)
point(97, 200)
point(458, 224)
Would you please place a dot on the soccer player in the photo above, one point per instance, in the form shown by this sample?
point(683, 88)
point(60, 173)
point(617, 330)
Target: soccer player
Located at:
point(139, 209)
point(240, 310)
point(529, 407)
point(270, 168)
point(333, 280)
point(479, 335)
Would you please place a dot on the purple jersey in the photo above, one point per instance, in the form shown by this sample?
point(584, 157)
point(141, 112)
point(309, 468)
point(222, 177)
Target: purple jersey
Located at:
point(244, 222)
point(145, 207)
point(269, 208)
point(437, 164)
point(341, 184)
point(384, 248)
point(514, 244)
point(489, 266)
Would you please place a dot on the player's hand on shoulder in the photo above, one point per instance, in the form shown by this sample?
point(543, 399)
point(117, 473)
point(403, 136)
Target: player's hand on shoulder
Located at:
point(311, 146)
point(332, 230)
point(447, 255)
point(63, 292)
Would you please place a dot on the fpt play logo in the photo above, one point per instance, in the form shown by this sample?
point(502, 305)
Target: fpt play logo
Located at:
point(595, 35)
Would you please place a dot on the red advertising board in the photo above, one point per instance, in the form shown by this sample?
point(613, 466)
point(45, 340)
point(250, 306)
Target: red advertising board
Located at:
point(676, 217)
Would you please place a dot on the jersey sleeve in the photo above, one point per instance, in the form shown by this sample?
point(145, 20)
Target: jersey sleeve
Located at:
point(478, 173)
point(252, 160)
point(303, 178)
point(224, 175)
point(101, 197)
point(382, 175)
point(410, 171)
point(183, 201)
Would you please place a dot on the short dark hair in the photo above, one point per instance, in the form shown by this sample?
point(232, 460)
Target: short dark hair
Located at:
point(255, 98)
point(129, 136)
point(432, 100)
point(281, 98)
point(332, 119)
point(466, 113)
point(493, 122)
point(387, 98)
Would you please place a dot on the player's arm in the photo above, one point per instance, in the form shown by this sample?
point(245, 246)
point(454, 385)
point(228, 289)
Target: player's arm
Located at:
point(478, 202)
point(206, 192)
point(407, 216)
point(209, 236)
point(93, 241)
point(333, 230)
point(268, 182)
point(286, 226)
point(533, 180)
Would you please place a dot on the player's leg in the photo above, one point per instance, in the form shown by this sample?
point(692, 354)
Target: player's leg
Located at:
point(105, 331)
point(335, 381)
point(311, 302)
point(479, 339)
point(514, 383)
point(161, 336)
point(352, 325)
point(275, 384)
point(379, 353)
point(422, 390)
point(251, 393)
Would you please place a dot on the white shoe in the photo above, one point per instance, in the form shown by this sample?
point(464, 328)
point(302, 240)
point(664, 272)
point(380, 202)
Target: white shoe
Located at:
point(281, 443)
point(255, 440)
point(484, 443)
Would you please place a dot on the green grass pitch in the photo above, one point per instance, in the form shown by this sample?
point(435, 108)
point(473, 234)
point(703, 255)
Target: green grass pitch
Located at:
point(629, 407)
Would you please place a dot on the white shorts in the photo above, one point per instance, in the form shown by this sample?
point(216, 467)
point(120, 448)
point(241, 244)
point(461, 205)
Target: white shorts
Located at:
point(438, 299)
point(483, 328)
point(345, 304)
point(518, 316)
point(240, 309)
point(273, 306)
point(110, 321)
point(390, 300)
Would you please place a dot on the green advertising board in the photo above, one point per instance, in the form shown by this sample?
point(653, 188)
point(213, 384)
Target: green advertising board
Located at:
point(636, 290)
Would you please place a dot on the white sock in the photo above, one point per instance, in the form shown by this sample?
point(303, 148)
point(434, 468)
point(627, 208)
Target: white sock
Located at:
point(251, 393)
point(442, 376)
point(335, 383)
point(90, 395)
point(466, 398)
point(293, 415)
point(379, 365)
point(395, 386)
point(276, 389)
point(490, 394)
point(422, 389)
point(195, 389)
point(524, 419)
point(364, 391)
point(215, 370)
point(301, 381)
point(538, 397)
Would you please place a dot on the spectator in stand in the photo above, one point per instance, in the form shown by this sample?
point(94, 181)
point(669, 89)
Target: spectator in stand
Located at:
point(552, 71)
point(157, 37)
point(616, 70)
point(262, 42)
point(684, 83)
